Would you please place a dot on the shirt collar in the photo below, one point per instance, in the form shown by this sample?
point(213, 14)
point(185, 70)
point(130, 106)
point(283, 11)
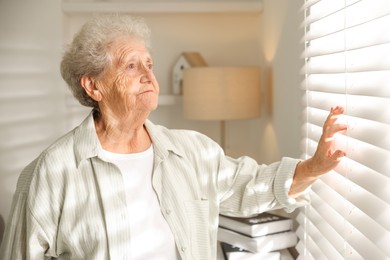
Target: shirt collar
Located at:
point(161, 139)
point(87, 144)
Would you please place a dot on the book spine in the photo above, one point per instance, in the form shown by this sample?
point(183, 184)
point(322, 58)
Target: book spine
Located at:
point(265, 243)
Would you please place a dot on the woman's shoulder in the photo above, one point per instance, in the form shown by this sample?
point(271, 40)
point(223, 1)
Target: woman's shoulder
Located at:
point(81, 138)
point(59, 147)
point(184, 142)
point(180, 136)
point(46, 163)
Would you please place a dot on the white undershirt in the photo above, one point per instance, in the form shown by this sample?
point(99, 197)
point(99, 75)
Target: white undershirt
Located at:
point(151, 237)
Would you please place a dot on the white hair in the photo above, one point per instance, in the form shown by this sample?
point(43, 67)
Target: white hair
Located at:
point(89, 54)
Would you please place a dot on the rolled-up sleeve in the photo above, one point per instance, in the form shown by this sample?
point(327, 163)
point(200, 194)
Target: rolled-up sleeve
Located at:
point(237, 186)
point(283, 180)
point(248, 188)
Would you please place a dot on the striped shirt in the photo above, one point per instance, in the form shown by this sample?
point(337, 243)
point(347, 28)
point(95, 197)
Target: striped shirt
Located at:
point(71, 204)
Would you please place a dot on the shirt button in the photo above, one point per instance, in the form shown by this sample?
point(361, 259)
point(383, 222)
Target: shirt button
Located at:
point(168, 211)
point(183, 248)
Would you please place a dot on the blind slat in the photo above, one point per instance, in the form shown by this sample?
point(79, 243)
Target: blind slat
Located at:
point(325, 26)
point(375, 58)
point(358, 129)
point(324, 8)
point(351, 38)
point(365, 107)
point(365, 10)
point(370, 83)
point(368, 34)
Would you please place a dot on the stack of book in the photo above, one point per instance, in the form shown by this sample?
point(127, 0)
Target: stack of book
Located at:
point(264, 236)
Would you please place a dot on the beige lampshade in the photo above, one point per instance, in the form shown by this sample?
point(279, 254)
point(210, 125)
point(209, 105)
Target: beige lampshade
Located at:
point(221, 93)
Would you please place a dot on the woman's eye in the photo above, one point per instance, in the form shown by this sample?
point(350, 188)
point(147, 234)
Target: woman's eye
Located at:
point(131, 66)
point(150, 66)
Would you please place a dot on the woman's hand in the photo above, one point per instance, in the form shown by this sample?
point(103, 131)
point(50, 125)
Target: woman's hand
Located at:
point(325, 159)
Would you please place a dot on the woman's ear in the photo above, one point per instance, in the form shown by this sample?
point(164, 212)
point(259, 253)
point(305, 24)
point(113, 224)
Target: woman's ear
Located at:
point(88, 83)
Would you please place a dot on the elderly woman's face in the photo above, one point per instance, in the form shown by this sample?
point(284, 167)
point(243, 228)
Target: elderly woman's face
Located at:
point(129, 84)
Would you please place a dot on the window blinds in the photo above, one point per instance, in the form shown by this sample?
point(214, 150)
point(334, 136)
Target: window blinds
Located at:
point(347, 58)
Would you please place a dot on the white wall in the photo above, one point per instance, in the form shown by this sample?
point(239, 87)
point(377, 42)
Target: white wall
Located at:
point(282, 48)
point(31, 104)
point(277, 133)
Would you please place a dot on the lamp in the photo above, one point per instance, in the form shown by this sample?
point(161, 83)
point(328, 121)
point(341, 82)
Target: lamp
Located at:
point(221, 93)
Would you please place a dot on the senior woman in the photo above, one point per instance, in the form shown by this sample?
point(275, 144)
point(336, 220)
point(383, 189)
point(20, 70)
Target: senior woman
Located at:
point(120, 187)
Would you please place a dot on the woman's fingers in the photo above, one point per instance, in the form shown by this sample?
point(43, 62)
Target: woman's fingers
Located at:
point(333, 116)
point(331, 130)
point(338, 155)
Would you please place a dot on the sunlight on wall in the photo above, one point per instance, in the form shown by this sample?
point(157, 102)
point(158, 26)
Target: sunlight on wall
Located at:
point(273, 20)
point(269, 140)
point(281, 50)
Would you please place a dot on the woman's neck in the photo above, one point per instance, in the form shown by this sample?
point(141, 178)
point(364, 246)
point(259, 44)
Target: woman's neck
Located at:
point(122, 135)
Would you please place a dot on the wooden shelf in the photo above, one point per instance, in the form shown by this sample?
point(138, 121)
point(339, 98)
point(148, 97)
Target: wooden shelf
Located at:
point(72, 7)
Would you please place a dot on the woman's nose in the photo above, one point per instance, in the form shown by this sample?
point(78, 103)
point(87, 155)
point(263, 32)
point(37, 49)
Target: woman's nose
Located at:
point(144, 68)
point(145, 73)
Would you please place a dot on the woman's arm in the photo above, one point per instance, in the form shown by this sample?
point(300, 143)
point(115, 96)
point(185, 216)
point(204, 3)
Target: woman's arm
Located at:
point(325, 159)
